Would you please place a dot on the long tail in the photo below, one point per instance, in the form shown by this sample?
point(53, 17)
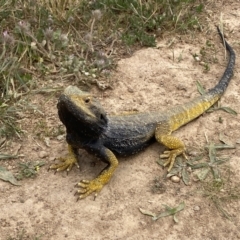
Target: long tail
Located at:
point(180, 115)
point(224, 81)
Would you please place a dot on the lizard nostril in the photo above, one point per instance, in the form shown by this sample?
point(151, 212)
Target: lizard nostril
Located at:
point(87, 100)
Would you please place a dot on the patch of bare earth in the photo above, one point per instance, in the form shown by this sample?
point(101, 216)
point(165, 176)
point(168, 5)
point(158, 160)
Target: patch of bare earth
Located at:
point(152, 79)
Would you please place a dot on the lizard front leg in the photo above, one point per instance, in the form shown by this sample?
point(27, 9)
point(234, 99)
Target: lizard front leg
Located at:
point(176, 146)
point(68, 161)
point(87, 187)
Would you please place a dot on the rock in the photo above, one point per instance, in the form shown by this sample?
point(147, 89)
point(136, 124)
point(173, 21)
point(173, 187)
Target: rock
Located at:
point(175, 179)
point(60, 137)
point(43, 154)
point(196, 208)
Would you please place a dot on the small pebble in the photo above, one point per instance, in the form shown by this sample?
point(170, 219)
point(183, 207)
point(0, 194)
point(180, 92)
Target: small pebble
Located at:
point(196, 208)
point(193, 153)
point(181, 87)
point(130, 90)
point(175, 179)
point(197, 59)
point(9, 168)
point(47, 141)
point(43, 154)
point(51, 159)
point(60, 137)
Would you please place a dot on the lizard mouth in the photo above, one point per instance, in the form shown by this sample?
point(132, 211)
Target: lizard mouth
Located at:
point(70, 108)
point(79, 119)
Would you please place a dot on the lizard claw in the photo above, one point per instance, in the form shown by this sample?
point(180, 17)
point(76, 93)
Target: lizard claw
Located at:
point(171, 156)
point(88, 187)
point(66, 164)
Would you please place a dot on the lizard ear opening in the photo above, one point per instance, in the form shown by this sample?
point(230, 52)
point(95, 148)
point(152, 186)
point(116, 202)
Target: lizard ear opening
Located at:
point(103, 118)
point(87, 100)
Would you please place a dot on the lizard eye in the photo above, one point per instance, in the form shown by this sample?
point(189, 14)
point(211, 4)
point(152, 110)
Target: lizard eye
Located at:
point(87, 100)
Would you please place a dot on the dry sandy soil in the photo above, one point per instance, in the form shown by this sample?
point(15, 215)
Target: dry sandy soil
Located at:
point(152, 79)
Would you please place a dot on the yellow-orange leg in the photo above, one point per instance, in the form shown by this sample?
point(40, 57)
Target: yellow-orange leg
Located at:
point(176, 146)
point(96, 185)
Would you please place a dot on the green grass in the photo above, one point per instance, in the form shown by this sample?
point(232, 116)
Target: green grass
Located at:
point(141, 21)
point(222, 192)
point(29, 169)
point(45, 41)
point(214, 175)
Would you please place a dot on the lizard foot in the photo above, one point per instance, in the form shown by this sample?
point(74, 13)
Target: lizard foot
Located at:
point(88, 187)
point(65, 164)
point(171, 155)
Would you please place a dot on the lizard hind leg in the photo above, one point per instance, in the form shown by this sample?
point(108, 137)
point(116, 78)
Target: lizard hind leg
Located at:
point(175, 145)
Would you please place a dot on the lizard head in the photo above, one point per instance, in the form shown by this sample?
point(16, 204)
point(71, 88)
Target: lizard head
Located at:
point(81, 112)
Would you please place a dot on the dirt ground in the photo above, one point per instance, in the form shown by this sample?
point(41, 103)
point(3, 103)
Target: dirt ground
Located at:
point(152, 79)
